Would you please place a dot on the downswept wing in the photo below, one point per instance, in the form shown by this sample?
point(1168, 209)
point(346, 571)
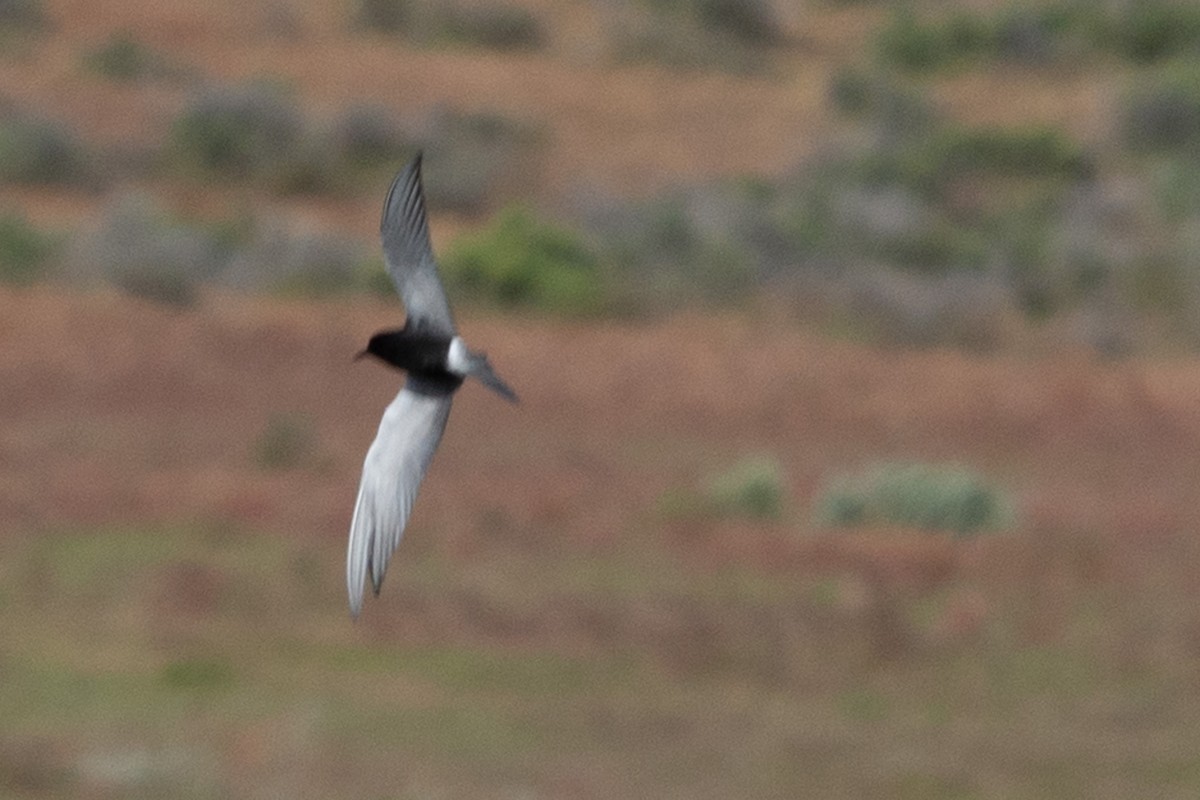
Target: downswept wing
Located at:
point(396, 462)
point(409, 256)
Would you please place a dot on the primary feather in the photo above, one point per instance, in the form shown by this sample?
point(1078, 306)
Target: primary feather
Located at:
point(408, 255)
point(396, 463)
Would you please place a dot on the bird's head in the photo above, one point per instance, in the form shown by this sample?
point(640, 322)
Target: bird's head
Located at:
point(374, 348)
point(383, 345)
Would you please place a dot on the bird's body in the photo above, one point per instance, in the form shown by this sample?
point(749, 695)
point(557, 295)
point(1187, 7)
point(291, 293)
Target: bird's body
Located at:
point(437, 361)
point(415, 352)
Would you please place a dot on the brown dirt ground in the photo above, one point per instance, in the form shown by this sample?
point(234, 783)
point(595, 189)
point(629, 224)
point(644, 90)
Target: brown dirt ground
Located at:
point(115, 410)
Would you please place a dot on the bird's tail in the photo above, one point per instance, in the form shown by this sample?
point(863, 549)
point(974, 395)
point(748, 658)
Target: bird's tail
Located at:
point(480, 368)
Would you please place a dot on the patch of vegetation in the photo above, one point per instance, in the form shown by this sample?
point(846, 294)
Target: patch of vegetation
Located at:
point(253, 132)
point(198, 675)
point(725, 35)
point(893, 108)
point(123, 58)
point(917, 43)
point(146, 251)
point(382, 16)
point(519, 261)
point(753, 488)
point(257, 134)
point(1035, 152)
point(936, 162)
point(292, 263)
point(1161, 113)
point(25, 251)
point(751, 21)
point(494, 26)
point(165, 287)
point(17, 16)
point(1149, 31)
point(474, 159)
point(925, 197)
point(142, 250)
point(288, 441)
point(1141, 33)
point(369, 137)
point(919, 229)
point(35, 150)
point(935, 497)
point(710, 245)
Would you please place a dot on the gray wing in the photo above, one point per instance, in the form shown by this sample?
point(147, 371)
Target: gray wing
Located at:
point(408, 435)
point(408, 255)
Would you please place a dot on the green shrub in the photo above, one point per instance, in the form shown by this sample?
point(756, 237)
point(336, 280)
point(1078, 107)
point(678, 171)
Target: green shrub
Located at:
point(753, 21)
point(495, 26)
point(1150, 30)
point(932, 162)
point(123, 58)
point(24, 250)
point(164, 286)
point(680, 42)
point(1161, 113)
point(901, 204)
point(1141, 32)
point(254, 131)
point(22, 15)
point(753, 487)
point(1035, 152)
point(383, 16)
point(258, 134)
point(492, 26)
point(288, 441)
point(198, 674)
point(38, 151)
point(918, 43)
point(935, 497)
point(519, 261)
point(897, 111)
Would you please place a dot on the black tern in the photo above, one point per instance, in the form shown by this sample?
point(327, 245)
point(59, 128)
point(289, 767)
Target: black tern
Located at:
point(437, 361)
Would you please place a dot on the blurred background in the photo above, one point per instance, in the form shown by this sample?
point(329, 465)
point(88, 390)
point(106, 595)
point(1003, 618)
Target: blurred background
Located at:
point(858, 449)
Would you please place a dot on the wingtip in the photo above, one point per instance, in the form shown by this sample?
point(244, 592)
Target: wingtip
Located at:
point(408, 176)
point(413, 167)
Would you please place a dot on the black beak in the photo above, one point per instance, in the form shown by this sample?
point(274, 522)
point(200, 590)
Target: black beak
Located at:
point(363, 353)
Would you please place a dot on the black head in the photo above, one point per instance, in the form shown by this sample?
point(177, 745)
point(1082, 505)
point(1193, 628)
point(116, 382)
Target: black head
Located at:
point(389, 346)
point(408, 349)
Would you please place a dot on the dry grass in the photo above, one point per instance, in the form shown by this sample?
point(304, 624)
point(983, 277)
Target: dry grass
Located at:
point(172, 615)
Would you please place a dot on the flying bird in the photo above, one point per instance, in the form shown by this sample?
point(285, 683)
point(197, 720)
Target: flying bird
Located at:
point(437, 361)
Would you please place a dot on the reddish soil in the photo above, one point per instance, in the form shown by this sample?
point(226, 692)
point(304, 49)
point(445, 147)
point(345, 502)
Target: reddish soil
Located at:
point(116, 410)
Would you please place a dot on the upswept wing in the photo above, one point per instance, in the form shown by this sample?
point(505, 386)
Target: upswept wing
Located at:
point(396, 462)
point(408, 255)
